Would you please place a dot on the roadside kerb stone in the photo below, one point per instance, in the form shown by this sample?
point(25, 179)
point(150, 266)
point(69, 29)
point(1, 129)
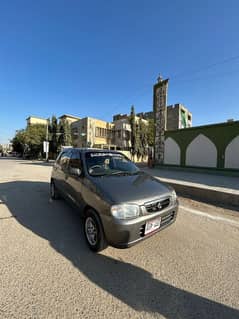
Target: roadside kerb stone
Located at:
point(220, 197)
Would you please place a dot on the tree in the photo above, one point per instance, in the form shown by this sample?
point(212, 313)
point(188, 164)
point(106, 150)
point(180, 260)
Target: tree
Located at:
point(142, 138)
point(68, 133)
point(65, 134)
point(151, 132)
point(34, 137)
point(54, 138)
point(139, 135)
point(19, 142)
point(132, 121)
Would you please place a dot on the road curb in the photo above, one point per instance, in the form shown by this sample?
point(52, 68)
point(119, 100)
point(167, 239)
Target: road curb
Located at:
point(220, 198)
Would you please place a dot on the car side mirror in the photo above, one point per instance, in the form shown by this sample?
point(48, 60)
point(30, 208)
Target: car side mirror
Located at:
point(75, 171)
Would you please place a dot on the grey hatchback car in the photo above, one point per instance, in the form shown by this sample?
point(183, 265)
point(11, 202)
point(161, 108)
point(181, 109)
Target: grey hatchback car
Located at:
point(120, 204)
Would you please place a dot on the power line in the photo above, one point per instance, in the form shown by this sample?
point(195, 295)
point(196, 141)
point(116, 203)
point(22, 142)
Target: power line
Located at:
point(143, 93)
point(209, 66)
point(209, 76)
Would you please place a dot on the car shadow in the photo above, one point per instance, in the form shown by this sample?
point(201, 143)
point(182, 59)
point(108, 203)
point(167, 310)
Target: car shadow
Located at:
point(61, 226)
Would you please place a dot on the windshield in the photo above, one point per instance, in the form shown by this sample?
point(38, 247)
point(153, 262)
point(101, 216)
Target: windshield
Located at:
point(100, 164)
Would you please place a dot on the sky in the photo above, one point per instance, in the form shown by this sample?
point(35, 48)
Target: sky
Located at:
point(97, 58)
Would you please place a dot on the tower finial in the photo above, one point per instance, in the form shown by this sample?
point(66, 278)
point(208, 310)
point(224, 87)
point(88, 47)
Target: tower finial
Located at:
point(160, 78)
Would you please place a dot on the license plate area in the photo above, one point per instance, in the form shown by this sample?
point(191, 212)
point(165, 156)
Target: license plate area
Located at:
point(152, 225)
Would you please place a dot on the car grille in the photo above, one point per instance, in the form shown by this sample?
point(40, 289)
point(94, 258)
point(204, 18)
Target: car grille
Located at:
point(157, 206)
point(166, 219)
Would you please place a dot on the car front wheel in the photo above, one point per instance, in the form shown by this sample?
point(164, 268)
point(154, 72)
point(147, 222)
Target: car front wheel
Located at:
point(53, 191)
point(94, 232)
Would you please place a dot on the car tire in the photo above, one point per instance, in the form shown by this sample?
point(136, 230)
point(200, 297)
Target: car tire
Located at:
point(54, 193)
point(94, 232)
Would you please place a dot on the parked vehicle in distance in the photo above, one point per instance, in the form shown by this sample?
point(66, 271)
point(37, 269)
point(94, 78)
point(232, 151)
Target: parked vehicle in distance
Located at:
point(120, 204)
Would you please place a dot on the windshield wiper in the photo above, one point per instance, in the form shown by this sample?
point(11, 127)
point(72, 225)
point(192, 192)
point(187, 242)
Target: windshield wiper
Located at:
point(124, 173)
point(119, 173)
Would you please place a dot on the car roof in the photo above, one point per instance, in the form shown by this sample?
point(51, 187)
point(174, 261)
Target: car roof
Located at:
point(87, 149)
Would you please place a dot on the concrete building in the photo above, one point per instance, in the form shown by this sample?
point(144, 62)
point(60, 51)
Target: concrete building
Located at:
point(6, 148)
point(178, 117)
point(31, 120)
point(39, 120)
point(69, 118)
point(91, 132)
point(119, 116)
point(122, 132)
point(146, 115)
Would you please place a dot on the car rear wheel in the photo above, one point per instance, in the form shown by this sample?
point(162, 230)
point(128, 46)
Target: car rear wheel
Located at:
point(53, 191)
point(94, 232)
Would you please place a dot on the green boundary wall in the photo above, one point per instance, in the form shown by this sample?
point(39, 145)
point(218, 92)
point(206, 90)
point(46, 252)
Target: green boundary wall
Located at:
point(220, 134)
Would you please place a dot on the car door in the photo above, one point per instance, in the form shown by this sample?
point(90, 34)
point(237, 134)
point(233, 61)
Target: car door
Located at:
point(61, 172)
point(75, 178)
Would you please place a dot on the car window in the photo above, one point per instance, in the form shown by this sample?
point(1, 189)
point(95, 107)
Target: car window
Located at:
point(64, 160)
point(106, 163)
point(75, 160)
point(59, 158)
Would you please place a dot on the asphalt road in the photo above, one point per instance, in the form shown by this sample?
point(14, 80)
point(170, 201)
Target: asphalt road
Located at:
point(189, 270)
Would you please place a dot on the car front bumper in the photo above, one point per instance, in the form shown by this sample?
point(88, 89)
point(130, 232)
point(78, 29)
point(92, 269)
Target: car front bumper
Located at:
point(126, 233)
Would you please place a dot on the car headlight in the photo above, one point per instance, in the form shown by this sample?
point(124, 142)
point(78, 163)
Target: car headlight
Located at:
point(174, 197)
point(125, 211)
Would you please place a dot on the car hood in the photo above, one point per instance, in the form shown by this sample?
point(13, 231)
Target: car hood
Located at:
point(136, 189)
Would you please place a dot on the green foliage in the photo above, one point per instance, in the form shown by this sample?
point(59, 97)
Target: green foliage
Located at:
point(34, 137)
point(19, 141)
point(151, 132)
point(139, 135)
point(142, 139)
point(65, 138)
point(53, 129)
point(30, 140)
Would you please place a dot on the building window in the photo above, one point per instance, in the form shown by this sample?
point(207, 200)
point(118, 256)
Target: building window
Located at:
point(96, 132)
point(127, 135)
point(101, 132)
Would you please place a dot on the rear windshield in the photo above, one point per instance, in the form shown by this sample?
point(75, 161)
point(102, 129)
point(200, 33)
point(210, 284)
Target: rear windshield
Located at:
point(100, 164)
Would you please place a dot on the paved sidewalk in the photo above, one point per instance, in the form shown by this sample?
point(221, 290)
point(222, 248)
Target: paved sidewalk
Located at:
point(216, 182)
point(223, 190)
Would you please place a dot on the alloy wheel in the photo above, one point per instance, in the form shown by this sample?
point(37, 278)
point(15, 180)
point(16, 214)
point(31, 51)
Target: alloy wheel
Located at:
point(91, 231)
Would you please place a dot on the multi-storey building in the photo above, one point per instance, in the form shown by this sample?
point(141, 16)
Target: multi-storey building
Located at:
point(91, 132)
point(119, 116)
point(122, 132)
point(178, 117)
point(31, 120)
point(69, 118)
point(122, 129)
point(146, 115)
